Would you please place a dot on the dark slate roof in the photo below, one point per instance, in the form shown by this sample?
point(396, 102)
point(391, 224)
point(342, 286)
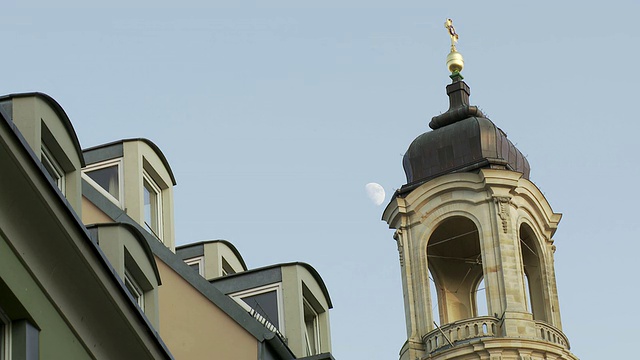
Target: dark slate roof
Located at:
point(462, 140)
point(466, 145)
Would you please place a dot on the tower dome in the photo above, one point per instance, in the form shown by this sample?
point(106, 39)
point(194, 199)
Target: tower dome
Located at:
point(462, 140)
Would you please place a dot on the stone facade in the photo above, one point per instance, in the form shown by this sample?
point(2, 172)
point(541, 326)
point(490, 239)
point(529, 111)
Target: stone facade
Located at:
point(493, 226)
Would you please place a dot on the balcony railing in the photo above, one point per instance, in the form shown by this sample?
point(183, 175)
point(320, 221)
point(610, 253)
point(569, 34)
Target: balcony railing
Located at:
point(548, 333)
point(485, 326)
point(479, 327)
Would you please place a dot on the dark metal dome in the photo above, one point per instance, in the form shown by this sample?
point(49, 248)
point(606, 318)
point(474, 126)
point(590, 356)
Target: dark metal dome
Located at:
point(463, 140)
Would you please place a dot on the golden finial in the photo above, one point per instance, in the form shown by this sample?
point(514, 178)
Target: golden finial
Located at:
point(455, 63)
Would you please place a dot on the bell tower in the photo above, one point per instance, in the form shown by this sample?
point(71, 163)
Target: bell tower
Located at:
point(471, 223)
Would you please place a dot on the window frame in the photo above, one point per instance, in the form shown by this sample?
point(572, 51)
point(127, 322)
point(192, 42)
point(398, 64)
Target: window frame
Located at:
point(225, 267)
point(156, 230)
point(199, 260)
point(102, 165)
point(134, 289)
point(238, 296)
point(5, 336)
point(53, 168)
point(315, 324)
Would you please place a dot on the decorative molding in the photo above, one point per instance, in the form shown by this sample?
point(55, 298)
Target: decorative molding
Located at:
point(397, 236)
point(502, 202)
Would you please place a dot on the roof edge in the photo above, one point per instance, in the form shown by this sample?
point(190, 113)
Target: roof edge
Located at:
point(57, 108)
point(140, 237)
point(226, 242)
point(151, 144)
point(309, 268)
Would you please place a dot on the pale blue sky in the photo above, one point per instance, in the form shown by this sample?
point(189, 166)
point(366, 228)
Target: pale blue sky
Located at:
point(274, 115)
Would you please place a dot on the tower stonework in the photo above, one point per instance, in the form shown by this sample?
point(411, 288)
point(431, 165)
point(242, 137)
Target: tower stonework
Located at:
point(470, 221)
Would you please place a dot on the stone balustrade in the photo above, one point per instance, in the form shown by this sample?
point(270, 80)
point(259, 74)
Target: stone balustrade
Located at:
point(485, 326)
point(482, 327)
point(549, 333)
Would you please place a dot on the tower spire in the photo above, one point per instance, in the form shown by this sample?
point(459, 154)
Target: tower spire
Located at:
point(455, 62)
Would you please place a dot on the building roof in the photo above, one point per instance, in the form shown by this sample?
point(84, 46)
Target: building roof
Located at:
point(75, 234)
point(308, 267)
point(57, 109)
point(223, 302)
point(222, 241)
point(141, 240)
point(114, 149)
point(462, 140)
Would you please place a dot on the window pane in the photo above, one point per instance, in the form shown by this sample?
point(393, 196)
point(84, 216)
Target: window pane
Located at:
point(134, 290)
point(147, 205)
point(53, 169)
point(226, 268)
point(108, 179)
point(481, 300)
point(50, 169)
point(265, 304)
point(151, 208)
point(312, 333)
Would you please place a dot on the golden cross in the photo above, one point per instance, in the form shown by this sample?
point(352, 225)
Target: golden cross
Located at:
point(452, 32)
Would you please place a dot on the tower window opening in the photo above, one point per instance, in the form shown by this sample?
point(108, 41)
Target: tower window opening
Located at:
point(532, 274)
point(455, 262)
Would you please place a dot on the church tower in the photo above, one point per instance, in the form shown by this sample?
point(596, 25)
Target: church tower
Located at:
point(470, 222)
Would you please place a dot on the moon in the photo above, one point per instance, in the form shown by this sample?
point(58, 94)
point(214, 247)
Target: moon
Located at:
point(375, 192)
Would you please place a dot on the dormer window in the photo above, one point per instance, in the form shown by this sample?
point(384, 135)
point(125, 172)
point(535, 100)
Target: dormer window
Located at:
point(105, 177)
point(265, 303)
point(53, 168)
point(152, 206)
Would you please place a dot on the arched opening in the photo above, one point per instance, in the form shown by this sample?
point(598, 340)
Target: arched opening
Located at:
point(455, 261)
point(533, 276)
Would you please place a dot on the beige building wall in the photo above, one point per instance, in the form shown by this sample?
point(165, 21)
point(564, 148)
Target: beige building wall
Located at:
point(91, 214)
point(194, 328)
